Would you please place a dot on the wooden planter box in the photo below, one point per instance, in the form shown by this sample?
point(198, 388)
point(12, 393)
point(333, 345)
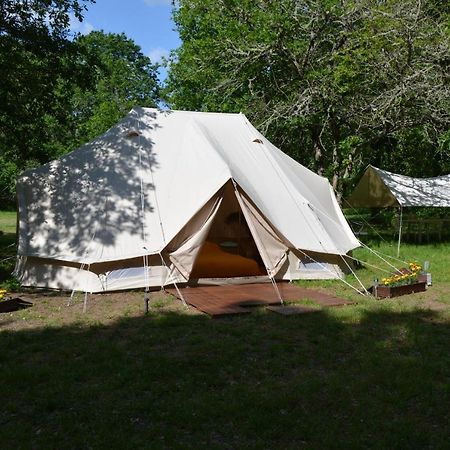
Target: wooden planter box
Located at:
point(426, 277)
point(396, 291)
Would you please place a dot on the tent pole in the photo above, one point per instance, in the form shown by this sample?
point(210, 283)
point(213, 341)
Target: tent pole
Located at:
point(69, 303)
point(400, 231)
point(86, 291)
point(180, 295)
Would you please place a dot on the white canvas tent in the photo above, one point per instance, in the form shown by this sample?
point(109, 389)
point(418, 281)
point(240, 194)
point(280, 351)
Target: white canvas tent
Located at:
point(174, 196)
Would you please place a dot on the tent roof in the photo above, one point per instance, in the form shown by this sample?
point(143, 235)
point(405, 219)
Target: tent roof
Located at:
point(130, 191)
point(380, 188)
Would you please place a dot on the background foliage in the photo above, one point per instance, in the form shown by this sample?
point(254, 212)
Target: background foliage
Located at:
point(336, 84)
point(58, 91)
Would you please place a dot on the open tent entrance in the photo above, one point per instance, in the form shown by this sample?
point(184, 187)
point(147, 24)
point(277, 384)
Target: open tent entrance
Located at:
point(229, 250)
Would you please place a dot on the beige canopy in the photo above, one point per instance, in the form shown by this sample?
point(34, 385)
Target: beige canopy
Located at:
point(136, 207)
point(381, 189)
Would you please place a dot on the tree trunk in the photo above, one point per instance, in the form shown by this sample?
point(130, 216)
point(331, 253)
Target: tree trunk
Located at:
point(318, 151)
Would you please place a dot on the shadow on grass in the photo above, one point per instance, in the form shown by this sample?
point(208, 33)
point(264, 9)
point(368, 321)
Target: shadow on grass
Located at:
point(262, 381)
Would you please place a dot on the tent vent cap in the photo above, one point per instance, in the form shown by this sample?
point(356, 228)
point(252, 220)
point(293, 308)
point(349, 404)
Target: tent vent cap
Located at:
point(132, 134)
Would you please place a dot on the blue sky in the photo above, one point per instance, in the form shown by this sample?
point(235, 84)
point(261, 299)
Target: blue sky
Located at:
point(147, 22)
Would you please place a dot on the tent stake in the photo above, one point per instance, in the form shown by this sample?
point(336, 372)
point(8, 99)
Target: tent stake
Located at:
point(86, 291)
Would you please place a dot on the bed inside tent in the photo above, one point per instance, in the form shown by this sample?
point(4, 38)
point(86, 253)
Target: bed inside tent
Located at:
point(229, 249)
point(230, 254)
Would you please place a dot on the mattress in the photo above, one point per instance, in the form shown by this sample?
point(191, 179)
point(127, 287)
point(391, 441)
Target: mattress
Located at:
point(213, 262)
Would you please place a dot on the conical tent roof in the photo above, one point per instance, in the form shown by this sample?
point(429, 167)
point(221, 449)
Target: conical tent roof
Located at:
point(131, 191)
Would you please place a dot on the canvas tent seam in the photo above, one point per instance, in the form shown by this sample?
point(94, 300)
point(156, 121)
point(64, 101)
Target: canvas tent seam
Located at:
point(275, 167)
point(144, 234)
point(315, 209)
point(155, 191)
point(146, 267)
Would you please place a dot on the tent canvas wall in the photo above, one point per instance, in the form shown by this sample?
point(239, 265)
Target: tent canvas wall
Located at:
point(148, 202)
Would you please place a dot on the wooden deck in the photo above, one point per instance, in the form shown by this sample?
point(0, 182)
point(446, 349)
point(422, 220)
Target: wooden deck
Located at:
point(235, 299)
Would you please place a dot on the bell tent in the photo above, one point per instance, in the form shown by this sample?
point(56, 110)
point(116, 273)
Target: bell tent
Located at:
point(168, 197)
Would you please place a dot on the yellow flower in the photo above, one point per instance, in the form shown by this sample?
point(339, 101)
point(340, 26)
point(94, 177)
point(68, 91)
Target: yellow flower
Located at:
point(414, 267)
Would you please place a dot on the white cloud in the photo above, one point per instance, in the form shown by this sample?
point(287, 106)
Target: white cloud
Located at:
point(80, 27)
point(157, 2)
point(157, 54)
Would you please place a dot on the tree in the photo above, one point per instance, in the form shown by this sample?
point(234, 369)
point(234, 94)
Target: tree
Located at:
point(58, 93)
point(35, 55)
point(124, 78)
point(336, 84)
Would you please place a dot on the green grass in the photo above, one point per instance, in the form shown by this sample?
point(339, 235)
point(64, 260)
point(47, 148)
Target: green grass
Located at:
point(344, 378)
point(437, 255)
point(7, 249)
point(371, 376)
point(8, 222)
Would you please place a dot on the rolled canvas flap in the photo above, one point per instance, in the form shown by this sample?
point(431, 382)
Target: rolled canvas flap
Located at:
point(272, 250)
point(188, 242)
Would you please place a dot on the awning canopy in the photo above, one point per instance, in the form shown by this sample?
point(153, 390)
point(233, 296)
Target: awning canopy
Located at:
point(381, 189)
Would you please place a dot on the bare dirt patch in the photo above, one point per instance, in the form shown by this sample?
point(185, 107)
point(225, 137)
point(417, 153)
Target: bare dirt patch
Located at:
point(50, 309)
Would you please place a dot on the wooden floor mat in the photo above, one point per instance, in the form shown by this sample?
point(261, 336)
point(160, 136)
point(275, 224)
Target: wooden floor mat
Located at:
point(235, 299)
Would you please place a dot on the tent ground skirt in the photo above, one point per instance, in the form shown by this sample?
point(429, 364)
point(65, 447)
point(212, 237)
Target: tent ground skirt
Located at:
point(236, 299)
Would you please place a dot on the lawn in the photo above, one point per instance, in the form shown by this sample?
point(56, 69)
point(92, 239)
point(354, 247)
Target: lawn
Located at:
point(7, 248)
point(374, 375)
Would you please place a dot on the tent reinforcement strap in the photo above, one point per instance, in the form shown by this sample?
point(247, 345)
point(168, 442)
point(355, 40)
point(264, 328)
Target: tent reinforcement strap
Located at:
point(287, 186)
